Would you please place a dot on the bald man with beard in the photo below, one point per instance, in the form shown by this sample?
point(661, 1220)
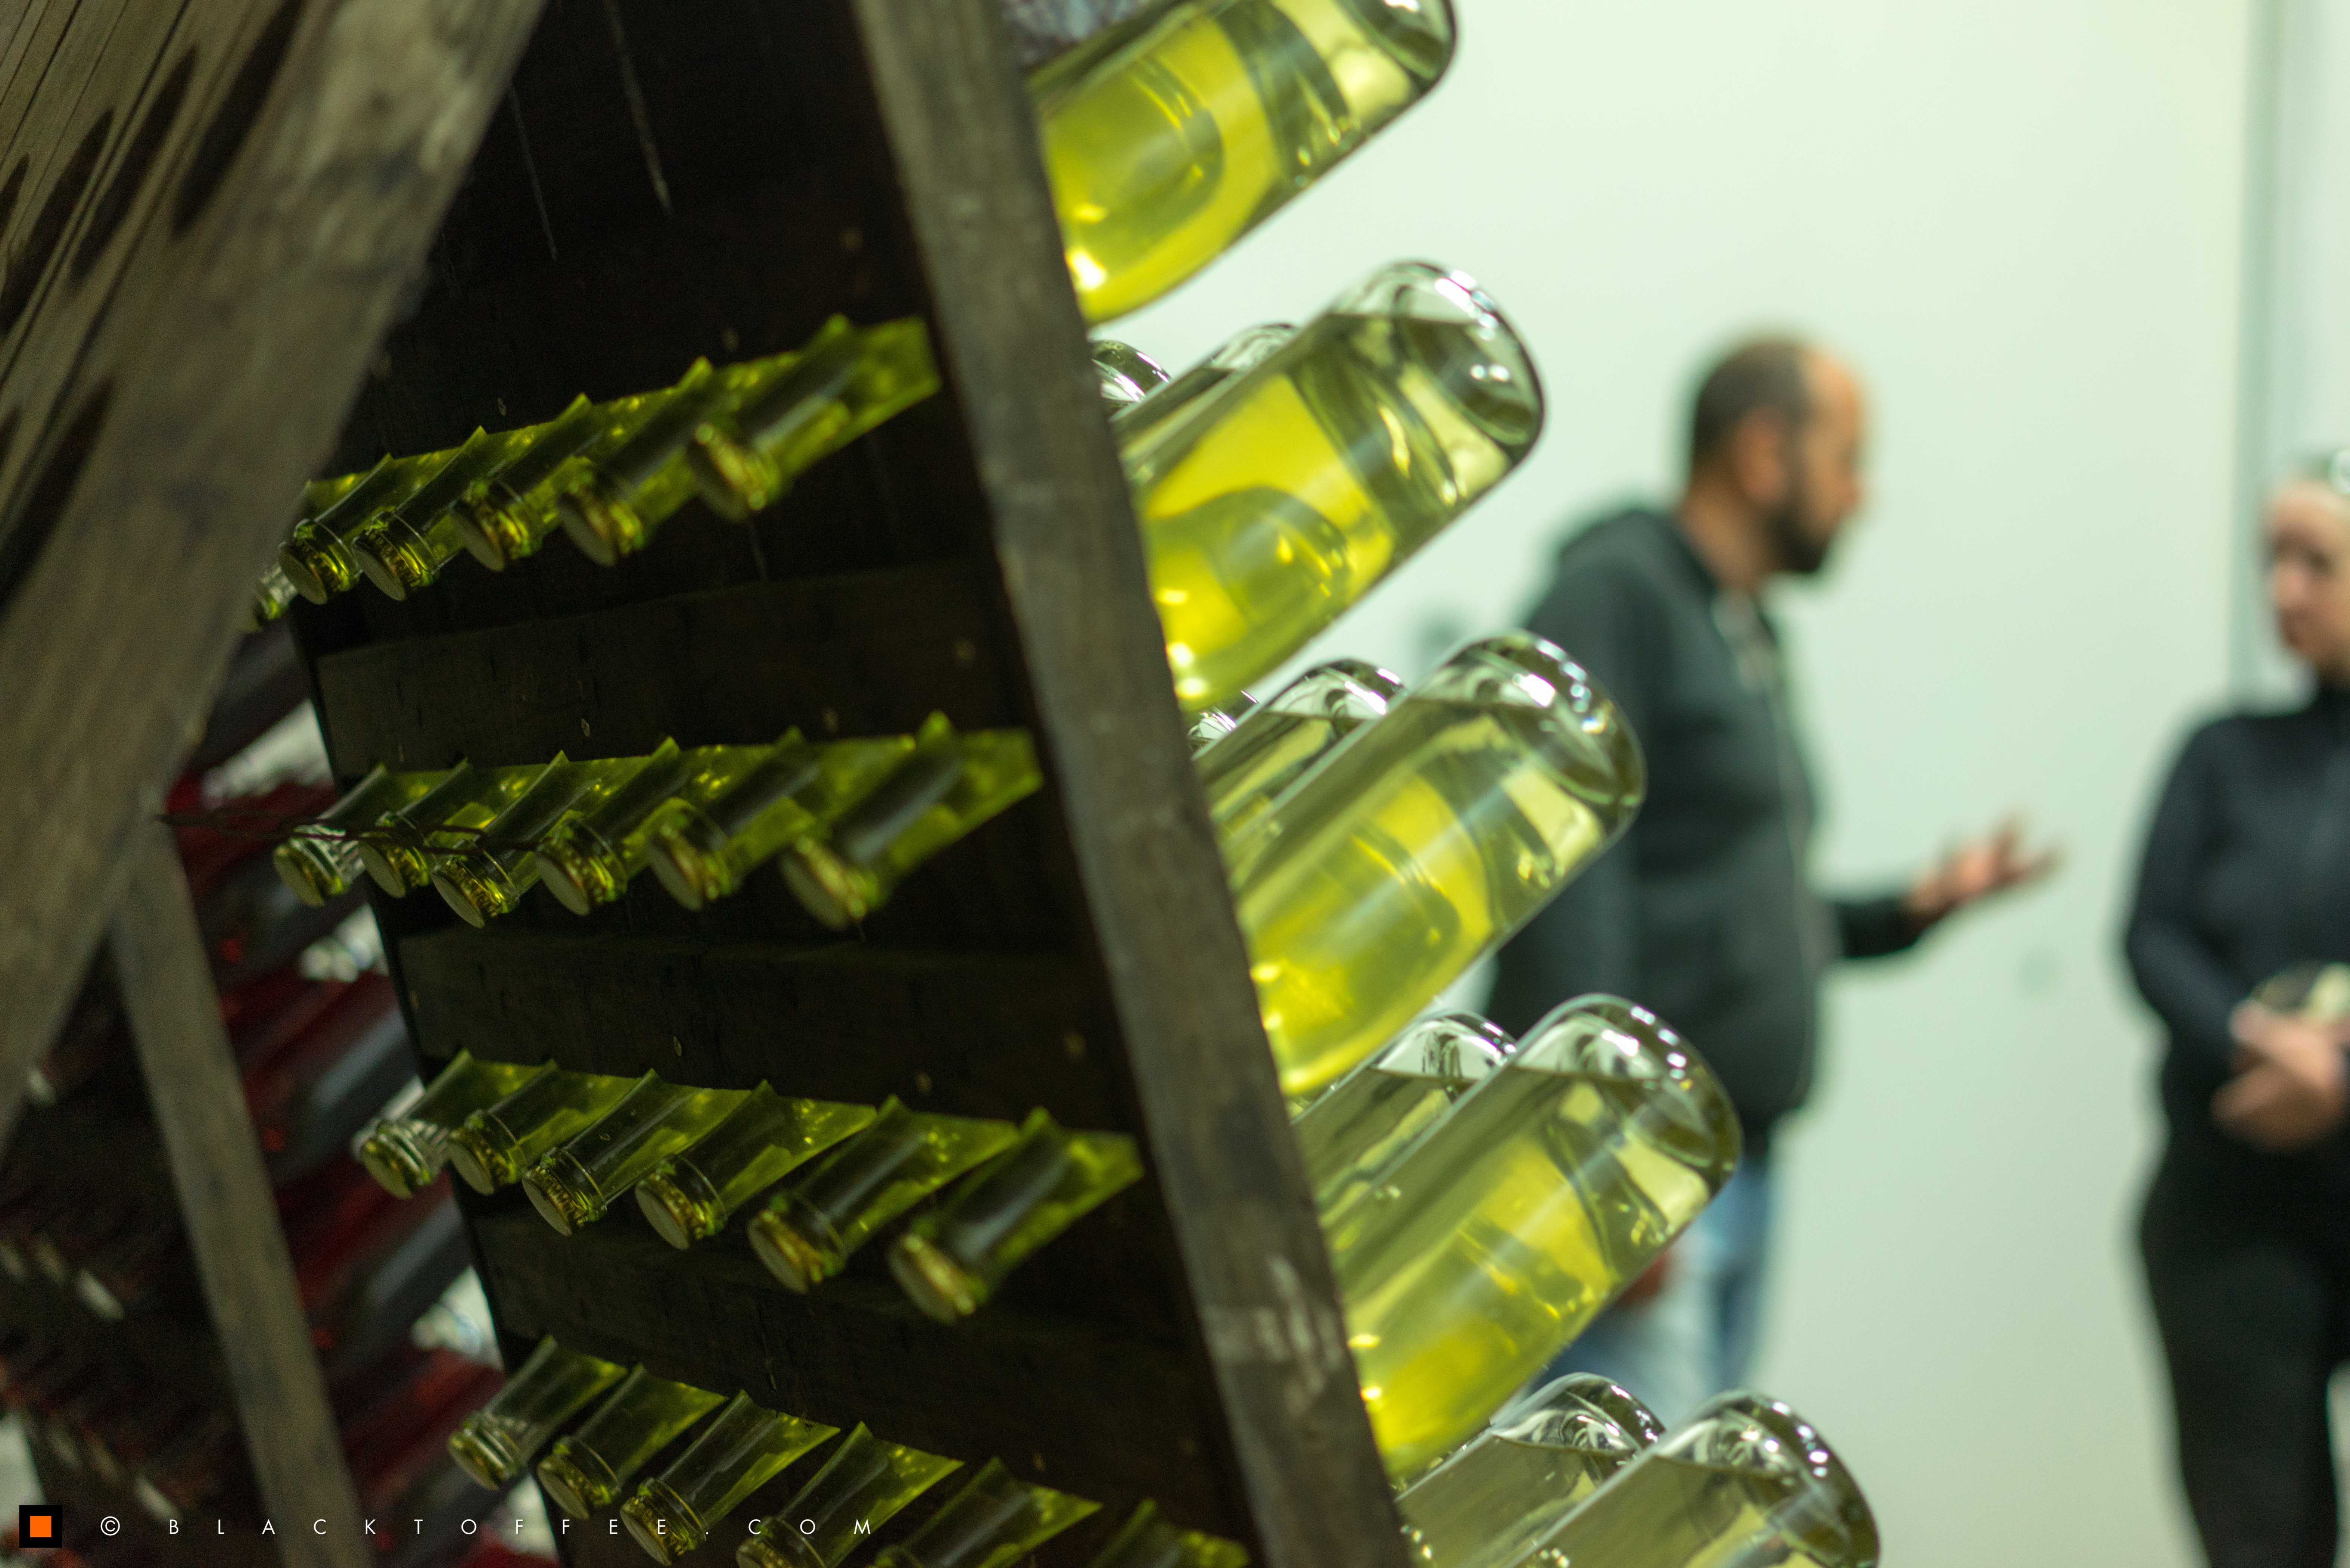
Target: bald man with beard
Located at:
point(1704, 912)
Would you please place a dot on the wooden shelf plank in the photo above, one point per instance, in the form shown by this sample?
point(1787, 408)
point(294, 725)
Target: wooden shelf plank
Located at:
point(965, 1034)
point(869, 653)
point(1000, 1386)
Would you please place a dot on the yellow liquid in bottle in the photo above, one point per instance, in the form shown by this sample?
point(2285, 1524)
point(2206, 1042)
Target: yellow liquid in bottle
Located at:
point(1505, 1239)
point(1167, 140)
point(1317, 476)
point(1440, 831)
point(1350, 1136)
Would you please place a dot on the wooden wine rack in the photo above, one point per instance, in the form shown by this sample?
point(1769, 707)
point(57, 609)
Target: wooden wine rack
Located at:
point(655, 182)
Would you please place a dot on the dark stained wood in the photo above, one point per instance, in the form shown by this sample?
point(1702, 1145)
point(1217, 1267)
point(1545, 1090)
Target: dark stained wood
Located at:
point(963, 1034)
point(1073, 570)
point(286, 212)
point(1114, 1420)
point(229, 1215)
point(873, 653)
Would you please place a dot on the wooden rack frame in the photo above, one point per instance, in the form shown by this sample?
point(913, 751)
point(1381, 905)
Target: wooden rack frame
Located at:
point(659, 183)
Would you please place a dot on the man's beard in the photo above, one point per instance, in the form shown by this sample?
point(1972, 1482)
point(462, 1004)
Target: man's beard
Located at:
point(1801, 554)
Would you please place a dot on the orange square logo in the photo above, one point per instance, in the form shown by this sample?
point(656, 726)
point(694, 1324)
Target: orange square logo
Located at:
point(36, 1527)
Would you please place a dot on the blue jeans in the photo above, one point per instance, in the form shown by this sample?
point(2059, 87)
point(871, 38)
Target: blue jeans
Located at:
point(1695, 1338)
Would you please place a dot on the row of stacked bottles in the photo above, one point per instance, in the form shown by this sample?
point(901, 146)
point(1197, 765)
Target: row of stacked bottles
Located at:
point(108, 1360)
point(1482, 1199)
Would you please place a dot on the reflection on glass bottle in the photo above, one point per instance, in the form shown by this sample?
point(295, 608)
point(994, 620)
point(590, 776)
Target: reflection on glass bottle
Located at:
point(1280, 740)
point(1169, 137)
point(588, 859)
point(1148, 1540)
point(845, 382)
point(734, 1456)
point(702, 846)
point(1210, 725)
point(689, 1196)
point(952, 1259)
point(406, 1149)
point(555, 1384)
point(493, 1147)
point(1501, 1233)
point(1141, 428)
point(1486, 1506)
point(619, 503)
point(1315, 475)
point(320, 861)
point(862, 1486)
point(1423, 842)
point(399, 849)
point(585, 1471)
point(574, 1184)
point(317, 559)
point(402, 549)
point(994, 1521)
point(1349, 1136)
point(807, 1231)
point(1128, 375)
point(950, 785)
point(1746, 1480)
point(510, 514)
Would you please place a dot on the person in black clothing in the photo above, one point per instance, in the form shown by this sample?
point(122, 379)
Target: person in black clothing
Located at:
point(2246, 1229)
point(1703, 912)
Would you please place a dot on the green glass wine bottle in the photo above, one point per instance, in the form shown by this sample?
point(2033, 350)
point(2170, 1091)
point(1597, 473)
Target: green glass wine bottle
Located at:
point(587, 858)
point(495, 1442)
point(399, 849)
point(861, 1488)
point(1281, 739)
point(1349, 1136)
point(320, 861)
point(511, 513)
point(689, 1196)
point(704, 845)
point(809, 1229)
point(403, 548)
point(486, 877)
point(948, 786)
point(1127, 375)
point(844, 383)
point(274, 592)
point(1141, 428)
point(317, 559)
point(1421, 843)
point(1745, 1482)
point(586, 1470)
point(576, 1182)
point(1501, 1232)
point(1488, 1504)
point(1169, 136)
point(493, 1147)
point(674, 1513)
point(1315, 475)
point(1148, 1540)
point(992, 1522)
point(618, 506)
point(954, 1259)
point(405, 1150)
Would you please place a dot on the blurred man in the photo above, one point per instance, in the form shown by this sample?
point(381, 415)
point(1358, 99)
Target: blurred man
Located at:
point(1702, 912)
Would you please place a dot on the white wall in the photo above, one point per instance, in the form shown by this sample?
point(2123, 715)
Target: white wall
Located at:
point(2023, 220)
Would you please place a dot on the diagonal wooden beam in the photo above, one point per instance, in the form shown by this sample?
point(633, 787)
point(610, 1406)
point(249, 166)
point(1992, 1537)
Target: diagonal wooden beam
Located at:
point(239, 330)
point(230, 1217)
